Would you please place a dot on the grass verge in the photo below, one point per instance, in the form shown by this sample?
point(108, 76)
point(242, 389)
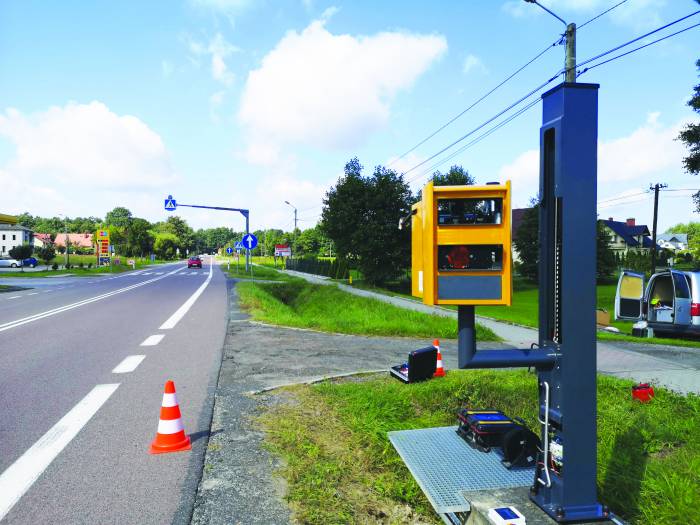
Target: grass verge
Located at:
point(258, 272)
point(85, 271)
point(524, 311)
point(301, 304)
point(340, 466)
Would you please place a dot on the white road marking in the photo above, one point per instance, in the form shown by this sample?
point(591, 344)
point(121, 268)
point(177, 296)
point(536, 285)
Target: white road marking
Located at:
point(33, 293)
point(129, 364)
point(15, 297)
point(147, 273)
point(180, 313)
point(159, 273)
point(22, 474)
point(153, 340)
point(36, 317)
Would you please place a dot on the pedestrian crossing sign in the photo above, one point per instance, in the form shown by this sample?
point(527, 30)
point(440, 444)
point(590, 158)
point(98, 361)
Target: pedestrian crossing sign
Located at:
point(170, 203)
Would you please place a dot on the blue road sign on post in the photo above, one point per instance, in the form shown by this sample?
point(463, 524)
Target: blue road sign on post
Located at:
point(170, 203)
point(238, 245)
point(229, 250)
point(250, 241)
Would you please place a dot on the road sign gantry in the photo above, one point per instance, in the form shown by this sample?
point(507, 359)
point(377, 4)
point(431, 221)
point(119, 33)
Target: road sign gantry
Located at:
point(171, 205)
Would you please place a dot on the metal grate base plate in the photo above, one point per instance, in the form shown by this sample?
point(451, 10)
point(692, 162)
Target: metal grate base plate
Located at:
point(444, 466)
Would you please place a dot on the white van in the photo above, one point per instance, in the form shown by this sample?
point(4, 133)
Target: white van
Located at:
point(670, 303)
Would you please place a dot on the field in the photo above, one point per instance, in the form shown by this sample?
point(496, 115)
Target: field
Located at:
point(340, 467)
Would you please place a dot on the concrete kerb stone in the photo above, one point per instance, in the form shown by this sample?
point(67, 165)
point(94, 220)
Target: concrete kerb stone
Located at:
point(317, 380)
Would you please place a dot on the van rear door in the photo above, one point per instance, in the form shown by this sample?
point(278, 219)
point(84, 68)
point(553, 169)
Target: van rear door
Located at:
point(629, 296)
point(681, 300)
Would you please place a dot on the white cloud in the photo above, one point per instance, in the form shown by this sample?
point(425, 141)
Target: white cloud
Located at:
point(218, 50)
point(332, 91)
point(81, 146)
point(472, 63)
point(647, 153)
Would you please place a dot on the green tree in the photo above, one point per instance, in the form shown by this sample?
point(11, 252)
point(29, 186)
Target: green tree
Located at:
point(46, 253)
point(139, 239)
point(165, 245)
point(360, 215)
point(456, 176)
point(526, 242)
point(119, 216)
point(21, 252)
point(606, 261)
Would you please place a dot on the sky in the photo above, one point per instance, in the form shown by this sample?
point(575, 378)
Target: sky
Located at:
point(249, 104)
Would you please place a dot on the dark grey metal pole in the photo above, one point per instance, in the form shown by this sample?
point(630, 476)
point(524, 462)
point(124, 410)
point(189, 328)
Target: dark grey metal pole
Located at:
point(247, 251)
point(466, 326)
point(656, 187)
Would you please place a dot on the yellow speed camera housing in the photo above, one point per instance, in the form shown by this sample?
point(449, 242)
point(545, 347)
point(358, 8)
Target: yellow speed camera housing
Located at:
point(461, 245)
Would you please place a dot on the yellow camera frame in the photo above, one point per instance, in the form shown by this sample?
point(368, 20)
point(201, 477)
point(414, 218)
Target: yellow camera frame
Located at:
point(480, 287)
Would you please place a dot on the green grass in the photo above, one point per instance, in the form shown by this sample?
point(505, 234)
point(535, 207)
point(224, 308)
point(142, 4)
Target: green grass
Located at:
point(258, 272)
point(301, 304)
point(339, 466)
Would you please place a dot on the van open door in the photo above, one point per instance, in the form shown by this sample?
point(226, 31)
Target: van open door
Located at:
point(629, 296)
point(682, 300)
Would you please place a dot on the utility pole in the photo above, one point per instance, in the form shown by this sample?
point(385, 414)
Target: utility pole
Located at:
point(570, 35)
point(656, 187)
point(570, 63)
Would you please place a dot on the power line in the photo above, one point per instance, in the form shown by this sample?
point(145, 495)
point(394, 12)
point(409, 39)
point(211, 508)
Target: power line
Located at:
point(475, 141)
point(601, 14)
point(621, 197)
point(636, 49)
point(478, 101)
point(681, 189)
point(636, 39)
point(485, 123)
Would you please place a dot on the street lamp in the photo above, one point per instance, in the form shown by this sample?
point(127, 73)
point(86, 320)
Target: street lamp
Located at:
point(295, 218)
point(65, 228)
point(570, 62)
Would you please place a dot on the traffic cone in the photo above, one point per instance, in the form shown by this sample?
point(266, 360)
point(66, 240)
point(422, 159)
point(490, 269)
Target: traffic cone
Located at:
point(171, 435)
point(439, 369)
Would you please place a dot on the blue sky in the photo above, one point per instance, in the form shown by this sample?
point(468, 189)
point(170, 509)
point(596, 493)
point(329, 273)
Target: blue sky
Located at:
point(248, 104)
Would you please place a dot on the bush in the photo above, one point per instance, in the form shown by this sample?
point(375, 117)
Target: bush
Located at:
point(68, 266)
point(89, 265)
point(80, 265)
point(335, 269)
point(54, 266)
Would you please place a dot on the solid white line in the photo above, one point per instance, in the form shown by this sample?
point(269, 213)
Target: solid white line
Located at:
point(22, 474)
point(36, 317)
point(153, 340)
point(180, 313)
point(129, 364)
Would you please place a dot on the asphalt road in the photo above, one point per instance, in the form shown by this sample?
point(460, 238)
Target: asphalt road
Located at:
point(74, 432)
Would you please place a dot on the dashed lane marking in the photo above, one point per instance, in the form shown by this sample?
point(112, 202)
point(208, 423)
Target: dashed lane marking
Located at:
point(22, 474)
point(129, 364)
point(36, 317)
point(153, 340)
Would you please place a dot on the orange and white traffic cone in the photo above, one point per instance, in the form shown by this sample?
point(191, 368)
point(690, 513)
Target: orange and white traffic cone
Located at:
point(171, 435)
point(439, 369)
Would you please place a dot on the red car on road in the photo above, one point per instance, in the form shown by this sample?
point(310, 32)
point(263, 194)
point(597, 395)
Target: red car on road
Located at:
point(194, 262)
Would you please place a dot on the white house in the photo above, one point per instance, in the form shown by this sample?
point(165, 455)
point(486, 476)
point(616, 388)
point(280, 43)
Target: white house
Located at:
point(673, 241)
point(12, 235)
